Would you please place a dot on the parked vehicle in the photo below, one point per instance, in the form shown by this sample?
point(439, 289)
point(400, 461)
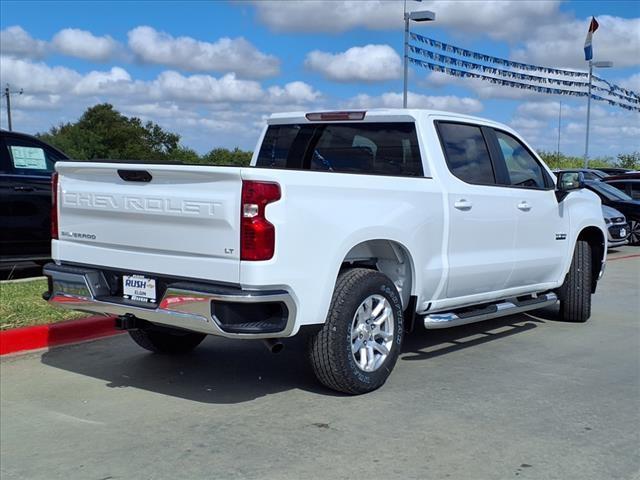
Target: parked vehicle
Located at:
point(614, 170)
point(348, 225)
point(629, 183)
point(589, 174)
point(617, 227)
point(619, 200)
point(26, 165)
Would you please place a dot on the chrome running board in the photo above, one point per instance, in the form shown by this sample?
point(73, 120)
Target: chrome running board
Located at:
point(495, 310)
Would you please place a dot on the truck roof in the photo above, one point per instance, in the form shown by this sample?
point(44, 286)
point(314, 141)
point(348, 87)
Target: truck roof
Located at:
point(383, 114)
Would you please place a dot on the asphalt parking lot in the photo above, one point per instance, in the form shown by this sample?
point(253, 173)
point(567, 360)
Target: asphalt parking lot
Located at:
point(522, 397)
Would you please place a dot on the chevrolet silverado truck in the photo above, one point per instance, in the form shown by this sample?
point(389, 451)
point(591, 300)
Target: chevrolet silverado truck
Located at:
point(349, 226)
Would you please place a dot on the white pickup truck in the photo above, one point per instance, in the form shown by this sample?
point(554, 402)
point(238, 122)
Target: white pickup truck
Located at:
point(353, 225)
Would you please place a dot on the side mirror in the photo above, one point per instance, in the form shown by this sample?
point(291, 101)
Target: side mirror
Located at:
point(568, 183)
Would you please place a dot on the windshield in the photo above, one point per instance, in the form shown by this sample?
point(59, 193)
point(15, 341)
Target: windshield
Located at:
point(609, 191)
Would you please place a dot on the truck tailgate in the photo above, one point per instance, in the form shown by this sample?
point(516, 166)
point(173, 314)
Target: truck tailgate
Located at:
point(183, 221)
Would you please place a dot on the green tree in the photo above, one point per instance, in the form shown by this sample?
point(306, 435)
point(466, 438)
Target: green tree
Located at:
point(185, 155)
point(104, 133)
point(553, 160)
point(224, 156)
point(629, 160)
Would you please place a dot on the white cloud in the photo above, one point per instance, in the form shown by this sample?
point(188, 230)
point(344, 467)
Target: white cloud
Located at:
point(612, 130)
point(318, 16)
point(154, 111)
point(186, 53)
point(83, 44)
point(37, 102)
point(371, 63)
point(204, 88)
point(293, 92)
point(617, 39)
point(117, 80)
point(203, 108)
point(36, 78)
point(39, 78)
point(415, 100)
point(500, 19)
point(631, 83)
point(16, 41)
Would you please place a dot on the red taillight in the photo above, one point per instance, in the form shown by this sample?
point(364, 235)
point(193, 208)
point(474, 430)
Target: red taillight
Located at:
point(54, 206)
point(257, 234)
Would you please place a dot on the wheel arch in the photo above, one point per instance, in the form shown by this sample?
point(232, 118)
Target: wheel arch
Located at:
point(597, 240)
point(389, 257)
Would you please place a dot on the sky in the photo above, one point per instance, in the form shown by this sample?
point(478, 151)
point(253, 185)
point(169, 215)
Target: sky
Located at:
point(212, 71)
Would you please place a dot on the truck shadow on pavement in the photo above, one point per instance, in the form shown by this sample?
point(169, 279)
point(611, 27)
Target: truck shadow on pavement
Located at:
point(424, 344)
point(222, 371)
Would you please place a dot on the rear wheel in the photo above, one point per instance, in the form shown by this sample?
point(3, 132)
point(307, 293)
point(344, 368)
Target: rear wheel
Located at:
point(166, 341)
point(359, 344)
point(575, 292)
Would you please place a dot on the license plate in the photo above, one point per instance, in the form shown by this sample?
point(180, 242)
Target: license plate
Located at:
point(623, 233)
point(139, 288)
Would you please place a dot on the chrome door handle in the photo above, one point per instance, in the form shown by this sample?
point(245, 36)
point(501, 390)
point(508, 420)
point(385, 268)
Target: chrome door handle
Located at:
point(23, 189)
point(463, 204)
point(524, 206)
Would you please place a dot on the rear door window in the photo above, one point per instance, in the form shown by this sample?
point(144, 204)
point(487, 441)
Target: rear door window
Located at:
point(30, 158)
point(466, 153)
point(369, 148)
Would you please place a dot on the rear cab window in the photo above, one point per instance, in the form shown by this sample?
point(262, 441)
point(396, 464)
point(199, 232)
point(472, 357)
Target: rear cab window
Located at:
point(363, 148)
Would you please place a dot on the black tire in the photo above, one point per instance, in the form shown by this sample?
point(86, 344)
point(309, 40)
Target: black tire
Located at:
point(634, 232)
point(330, 348)
point(575, 292)
point(165, 342)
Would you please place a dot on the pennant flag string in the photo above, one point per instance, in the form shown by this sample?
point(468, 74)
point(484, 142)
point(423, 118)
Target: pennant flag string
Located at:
point(612, 90)
point(499, 81)
point(497, 60)
point(510, 74)
point(627, 92)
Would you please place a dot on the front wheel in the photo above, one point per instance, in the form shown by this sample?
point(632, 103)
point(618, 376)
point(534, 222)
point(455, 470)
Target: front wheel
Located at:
point(575, 292)
point(358, 345)
point(634, 232)
point(158, 341)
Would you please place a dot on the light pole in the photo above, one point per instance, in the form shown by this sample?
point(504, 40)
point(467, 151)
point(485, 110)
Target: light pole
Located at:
point(424, 16)
point(592, 64)
point(7, 93)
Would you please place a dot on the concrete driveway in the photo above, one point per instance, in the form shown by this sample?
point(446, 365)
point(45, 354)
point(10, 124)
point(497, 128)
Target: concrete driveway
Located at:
point(522, 397)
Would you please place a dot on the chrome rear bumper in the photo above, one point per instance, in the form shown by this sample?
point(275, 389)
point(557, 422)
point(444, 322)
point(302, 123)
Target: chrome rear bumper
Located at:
point(188, 306)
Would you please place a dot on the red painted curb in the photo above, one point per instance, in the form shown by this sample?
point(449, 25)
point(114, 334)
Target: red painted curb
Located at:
point(50, 335)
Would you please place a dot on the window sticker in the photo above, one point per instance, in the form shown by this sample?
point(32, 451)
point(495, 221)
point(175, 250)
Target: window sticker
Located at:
point(28, 157)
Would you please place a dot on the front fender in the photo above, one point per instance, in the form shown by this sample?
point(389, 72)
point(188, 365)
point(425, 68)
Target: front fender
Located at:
point(585, 217)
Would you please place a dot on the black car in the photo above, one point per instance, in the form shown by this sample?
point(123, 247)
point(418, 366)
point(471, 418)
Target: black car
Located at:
point(588, 173)
point(26, 166)
point(628, 183)
point(613, 170)
point(613, 197)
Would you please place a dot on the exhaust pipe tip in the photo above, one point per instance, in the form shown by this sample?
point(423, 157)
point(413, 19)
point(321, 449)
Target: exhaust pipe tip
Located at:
point(274, 345)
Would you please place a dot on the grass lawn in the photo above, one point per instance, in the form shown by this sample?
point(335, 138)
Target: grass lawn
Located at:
point(21, 305)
